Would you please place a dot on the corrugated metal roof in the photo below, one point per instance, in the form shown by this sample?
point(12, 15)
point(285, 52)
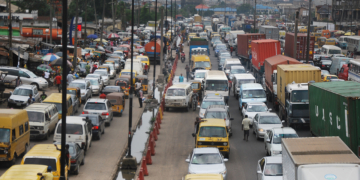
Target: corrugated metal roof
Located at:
point(343, 88)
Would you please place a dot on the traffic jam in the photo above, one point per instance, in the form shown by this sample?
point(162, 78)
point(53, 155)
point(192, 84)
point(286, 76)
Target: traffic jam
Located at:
point(296, 105)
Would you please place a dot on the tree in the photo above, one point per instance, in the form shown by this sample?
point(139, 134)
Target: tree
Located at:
point(41, 5)
point(245, 9)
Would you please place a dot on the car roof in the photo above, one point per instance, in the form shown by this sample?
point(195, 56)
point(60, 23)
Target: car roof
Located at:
point(180, 85)
point(79, 81)
point(74, 120)
point(97, 100)
point(206, 150)
point(256, 103)
point(287, 130)
point(273, 159)
point(267, 114)
point(26, 86)
point(216, 108)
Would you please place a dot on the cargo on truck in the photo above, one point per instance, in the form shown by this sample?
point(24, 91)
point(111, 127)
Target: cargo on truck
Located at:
point(271, 32)
point(301, 46)
point(334, 111)
point(292, 92)
point(318, 158)
point(270, 67)
point(198, 43)
point(262, 49)
point(197, 19)
point(244, 46)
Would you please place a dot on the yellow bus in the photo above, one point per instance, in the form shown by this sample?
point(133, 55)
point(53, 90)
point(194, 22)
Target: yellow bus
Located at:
point(56, 98)
point(28, 172)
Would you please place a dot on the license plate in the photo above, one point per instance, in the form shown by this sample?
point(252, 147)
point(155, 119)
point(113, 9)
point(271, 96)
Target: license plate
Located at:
point(18, 104)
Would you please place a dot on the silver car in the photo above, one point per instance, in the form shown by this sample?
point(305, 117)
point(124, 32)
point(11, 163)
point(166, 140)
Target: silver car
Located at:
point(96, 86)
point(207, 160)
point(96, 76)
point(26, 76)
point(208, 101)
point(85, 88)
point(112, 70)
point(220, 112)
point(101, 107)
point(19, 98)
point(252, 108)
point(265, 121)
point(104, 75)
point(270, 168)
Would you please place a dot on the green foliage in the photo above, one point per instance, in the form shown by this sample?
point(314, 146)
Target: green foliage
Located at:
point(245, 9)
point(41, 5)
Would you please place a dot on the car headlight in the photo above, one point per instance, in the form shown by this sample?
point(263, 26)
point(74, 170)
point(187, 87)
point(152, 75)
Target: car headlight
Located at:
point(261, 130)
point(11, 100)
point(82, 93)
point(225, 144)
point(276, 152)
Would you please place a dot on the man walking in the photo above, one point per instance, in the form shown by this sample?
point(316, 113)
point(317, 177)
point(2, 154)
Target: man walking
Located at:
point(87, 67)
point(187, 68)
point(18, 81)
point(57, 81)
point(140, 97)
point(181, 78)
point(69, 77)
point(231, 50)
point(246, 127)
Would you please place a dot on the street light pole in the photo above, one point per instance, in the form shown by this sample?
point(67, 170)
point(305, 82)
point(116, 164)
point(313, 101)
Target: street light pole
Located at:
point(308, 35)
point(255, 18)
point(155, 50)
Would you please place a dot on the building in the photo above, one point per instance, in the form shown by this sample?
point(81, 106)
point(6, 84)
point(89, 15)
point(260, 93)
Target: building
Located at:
point(226, 10)
point(345, 12)
point(323, 12)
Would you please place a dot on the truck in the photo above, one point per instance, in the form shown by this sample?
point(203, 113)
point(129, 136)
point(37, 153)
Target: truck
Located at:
point(318, 158)
point(244, 46)
point(301, 46)
point(262, 49)
point(334, 111)
point(197, 19)
point(271, 32)
point(232, 38)
point(270, 67)
point(292, 93)
point(198, 43)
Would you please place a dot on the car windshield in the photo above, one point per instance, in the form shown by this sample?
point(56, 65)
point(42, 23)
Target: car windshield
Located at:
point(256, 108)
point(94, 119)
point(204, 64)
point(333, 51)
point(237, 71)
point(324, 72)
point(217, 85)
point(92, 76)
point(175, 92)
point(300, 96)
point(206, 104)
point(4, 135)
point(195, 86)
point(22, 92)
point(127, 73)
point(332, 77)
point(220, 47)
point(79, 85)
point(254, 93)
point(31, 74)
point(73, 92)
point(277, 137)
point(200, 75)
point(222, 60)
point(35, 116)
point(118, 53)
point(94, 81)
point(269, 120)
point(42, 161)
point(82, 65)
point(102, 73)
point(206, 159)
point(112, 88)
point(212, 131)
point(216, 115)
point(71, 129)
point(244, 81)
point(95, 106)
point(273, 170)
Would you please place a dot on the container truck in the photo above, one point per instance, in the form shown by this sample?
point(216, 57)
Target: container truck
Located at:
point(334, 111)
point(271, 32)
point(270, 67)
point(301, 45)
point(197, 19)
point(244, 46)
point(292, 92)
point(232, 38)
point(318, 158)
point(262, 49)
point(198, 43)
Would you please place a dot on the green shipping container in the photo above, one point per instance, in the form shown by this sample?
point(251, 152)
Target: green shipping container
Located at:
point(335, 111)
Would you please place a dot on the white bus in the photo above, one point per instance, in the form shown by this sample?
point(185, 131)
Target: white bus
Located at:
point(353, 43)
point(216, 82)
point(354, 70)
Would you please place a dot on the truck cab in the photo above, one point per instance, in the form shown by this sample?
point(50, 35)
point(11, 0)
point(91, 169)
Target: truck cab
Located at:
point(344, 72)
point(297, 103)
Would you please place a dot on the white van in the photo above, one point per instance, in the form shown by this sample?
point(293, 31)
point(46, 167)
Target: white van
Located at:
point(251, 92)
point(216, 82)
point(200, 74)
point(137, 66)
point(239, 79)
point(179, 96)
point(233, 38)
point(329, 50)
point(43, 118)
point(78, 130)
point(230, 62)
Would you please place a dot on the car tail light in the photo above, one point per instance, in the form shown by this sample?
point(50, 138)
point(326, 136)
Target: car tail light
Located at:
point(323, 65)
point(105, 113)
point(224, 119)
point(95, 127)
point(85, 112)
point(73, 161)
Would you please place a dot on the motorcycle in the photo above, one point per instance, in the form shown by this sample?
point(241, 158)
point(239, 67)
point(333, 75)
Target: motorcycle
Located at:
point(182, 57)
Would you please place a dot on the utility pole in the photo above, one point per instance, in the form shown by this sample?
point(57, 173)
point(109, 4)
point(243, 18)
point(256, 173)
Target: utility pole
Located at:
point(352, 17)
point(171, 30)
point(166, 9)
point(113, 14)
point(155, 51)
point(308, 35)
point(162, 43)
point(10, 34)
point(296, 31)
point(96, 20)
point(255, 18)
point(85, 24)
point(76, 33)
point(51, 20)
point(102, 25)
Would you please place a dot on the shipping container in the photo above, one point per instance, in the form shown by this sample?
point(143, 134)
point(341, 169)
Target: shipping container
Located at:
point(244, 43)
point(150, 49)
point(301, 49)
point(298, 73)
point(271, 32)
point(197, 19)
point(262, 49)
point(335, 111)
point(318, 158)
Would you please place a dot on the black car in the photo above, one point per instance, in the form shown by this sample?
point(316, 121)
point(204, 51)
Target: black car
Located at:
point(111, 89)
point(325, 64)
point(77, 157)
point(98, 125)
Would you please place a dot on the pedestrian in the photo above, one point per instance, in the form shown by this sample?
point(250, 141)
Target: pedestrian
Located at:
point(140, 93)
point(196, 123)
point(102, 96)
point(246, 127)
point(187, 68)
point(169, 49)
point(67, 154)
point(231, 50)
point(57, 81)
point(69, 77)
point(146, 68)
point(30, 99)
point(47, 75)
point(94, 68)
point(230, 84)
point(87, 67)
point(137, 87)
point(18, 81)
point(181, 78)
point(48, 174)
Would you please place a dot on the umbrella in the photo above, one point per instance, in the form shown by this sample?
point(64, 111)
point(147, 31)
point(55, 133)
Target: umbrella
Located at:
point(59, 62)
point(92, 36)
point(349, 34)
point(98, 40)
point(113, 35)
point(50, 57)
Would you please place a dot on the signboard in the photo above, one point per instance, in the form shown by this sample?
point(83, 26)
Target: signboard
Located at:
point(26, 55)
point(37, 32)
point(72, 28)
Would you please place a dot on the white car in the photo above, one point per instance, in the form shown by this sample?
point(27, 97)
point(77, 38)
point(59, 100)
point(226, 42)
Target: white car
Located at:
point(96, 85)
point(19, 98)
point(104, 75)
point(207, 160)
point(252, 108)
point(208, 101)
point(272, 139)
point(265, 121)
point(85, 88)
point(269, 168)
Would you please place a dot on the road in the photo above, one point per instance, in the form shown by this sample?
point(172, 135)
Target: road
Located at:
point(102, 159)
point(175, 141)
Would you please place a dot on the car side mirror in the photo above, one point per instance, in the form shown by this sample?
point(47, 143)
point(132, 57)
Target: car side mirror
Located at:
point(226, 160)
point(259, 172)
point(268, 140)
point(231, 119)
point(193, 134)
point(269, 109)
point(187, 160)
point(10, 92)
point(198, 106)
